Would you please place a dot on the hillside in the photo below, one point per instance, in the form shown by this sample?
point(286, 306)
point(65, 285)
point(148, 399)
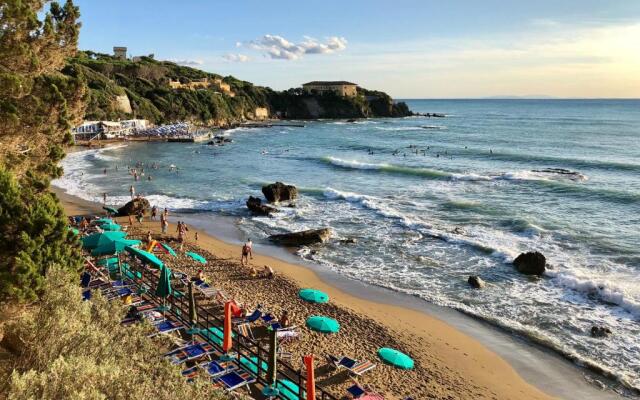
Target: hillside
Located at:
point(120, 89)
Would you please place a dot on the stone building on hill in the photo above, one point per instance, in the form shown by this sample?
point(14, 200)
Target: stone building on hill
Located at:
point(341, 88)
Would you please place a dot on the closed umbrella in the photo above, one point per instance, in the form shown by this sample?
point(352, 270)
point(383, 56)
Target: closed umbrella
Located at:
point(145, 256)
point(94, 240)
point(313, 296)
point(226, 340)
point(169, 249)
point(196, 257)
point(164, 289)
point(395, 358)
point(193, 315)
point(311, 377)
point(323, 324)
point(271, 390)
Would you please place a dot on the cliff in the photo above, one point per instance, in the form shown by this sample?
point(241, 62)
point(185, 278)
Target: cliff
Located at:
point(121, 89)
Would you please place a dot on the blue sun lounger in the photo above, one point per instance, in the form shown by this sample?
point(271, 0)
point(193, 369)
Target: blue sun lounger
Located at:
point(353, 366)
point(190, 352)
point(166, 326)
point(233, 380)
point(356, 391)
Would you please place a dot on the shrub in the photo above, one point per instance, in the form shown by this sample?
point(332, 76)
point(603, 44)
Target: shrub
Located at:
point(70, 349)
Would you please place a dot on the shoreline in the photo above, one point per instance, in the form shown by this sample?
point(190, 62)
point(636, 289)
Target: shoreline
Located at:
point(467, 350)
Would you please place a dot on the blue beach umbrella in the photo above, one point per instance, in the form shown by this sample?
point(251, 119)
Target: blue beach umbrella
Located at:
point(313, 296)
point(396, 358)
point(323, 324)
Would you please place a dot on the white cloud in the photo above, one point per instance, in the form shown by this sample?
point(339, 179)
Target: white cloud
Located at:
point(278, 48)
point(187, 63)
point(231, 57)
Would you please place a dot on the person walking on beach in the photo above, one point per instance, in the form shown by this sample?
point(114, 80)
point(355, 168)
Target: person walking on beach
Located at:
point(182, 233)
point(132, 190)
point(154, 213)
point(246, 253)
point(164, 224)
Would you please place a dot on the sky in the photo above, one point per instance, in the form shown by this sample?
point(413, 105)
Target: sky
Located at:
point(407, 48)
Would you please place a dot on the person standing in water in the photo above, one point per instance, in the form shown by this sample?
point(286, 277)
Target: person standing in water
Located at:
point(247, 251)
point(104, 198)
point(132, 190)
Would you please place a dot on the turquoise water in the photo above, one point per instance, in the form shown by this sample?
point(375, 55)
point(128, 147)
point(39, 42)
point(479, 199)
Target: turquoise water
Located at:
point(479, 191)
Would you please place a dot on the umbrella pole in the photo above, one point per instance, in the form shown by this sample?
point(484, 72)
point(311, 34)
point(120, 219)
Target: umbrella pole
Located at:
point(120, 267)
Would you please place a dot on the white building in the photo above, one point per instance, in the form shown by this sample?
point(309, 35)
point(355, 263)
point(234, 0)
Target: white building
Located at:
point(90, 130)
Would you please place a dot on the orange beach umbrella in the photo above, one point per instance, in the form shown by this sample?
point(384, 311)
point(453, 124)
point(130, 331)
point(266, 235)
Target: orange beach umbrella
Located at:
point(226, 339)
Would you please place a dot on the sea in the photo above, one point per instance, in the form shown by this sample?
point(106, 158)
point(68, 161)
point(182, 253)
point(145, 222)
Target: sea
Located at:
point(431, 201)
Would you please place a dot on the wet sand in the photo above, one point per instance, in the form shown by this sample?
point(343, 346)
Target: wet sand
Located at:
point(449, 364)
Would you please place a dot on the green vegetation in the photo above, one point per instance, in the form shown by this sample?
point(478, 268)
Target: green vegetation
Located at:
point(146, 83)
point(72, 349)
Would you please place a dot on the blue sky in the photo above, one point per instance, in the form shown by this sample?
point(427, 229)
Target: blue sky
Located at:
point(411, 49)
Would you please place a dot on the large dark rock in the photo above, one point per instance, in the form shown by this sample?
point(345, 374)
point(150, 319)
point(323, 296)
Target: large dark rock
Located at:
point(278, 191)
point(303, 238)
point(531, 263)
point(600, 331)
point(255, 205)
point(134, 207)
point(476, 282)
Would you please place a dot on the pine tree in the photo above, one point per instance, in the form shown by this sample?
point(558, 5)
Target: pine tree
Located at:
point(38, 105)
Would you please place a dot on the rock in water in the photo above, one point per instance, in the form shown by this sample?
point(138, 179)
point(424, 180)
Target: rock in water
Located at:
point(476, 282)
point(600, 331)
point(134, 207)
point(278, 191)
point(255, 205)
point(531, 263)
point(303, 238)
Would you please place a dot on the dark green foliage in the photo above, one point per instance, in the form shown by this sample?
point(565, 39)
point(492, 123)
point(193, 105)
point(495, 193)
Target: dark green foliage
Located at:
point(33, 236)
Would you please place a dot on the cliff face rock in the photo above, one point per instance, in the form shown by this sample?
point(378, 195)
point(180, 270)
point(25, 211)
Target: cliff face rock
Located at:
point(123, 104)
point(278, 191)
point(303, 238)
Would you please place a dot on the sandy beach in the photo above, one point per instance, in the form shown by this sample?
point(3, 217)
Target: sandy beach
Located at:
point(449, 364)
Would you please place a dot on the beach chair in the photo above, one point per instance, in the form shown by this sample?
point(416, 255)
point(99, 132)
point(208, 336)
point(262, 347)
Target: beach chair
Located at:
point(216, 368)
point(355, 367)
point(165, 327)
point(189, 352)
point(255, 316)
point(358, 392)
point(233, 380)
point(287, 335)
point(245, 330)
point(210, 292)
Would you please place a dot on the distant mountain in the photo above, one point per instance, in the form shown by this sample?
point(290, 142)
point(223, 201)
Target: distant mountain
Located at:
point(162, 91)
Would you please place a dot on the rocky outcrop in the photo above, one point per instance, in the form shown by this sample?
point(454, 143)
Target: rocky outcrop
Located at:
point(531, 263)
point(123, 104)
point(134, 207)
point(476, 282)
point(255, 205)
point(278, 191)
point(600, 331)
point(303, 238)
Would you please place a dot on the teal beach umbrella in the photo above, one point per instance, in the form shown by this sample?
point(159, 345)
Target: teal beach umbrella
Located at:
point(110, 227)
point(313, 296)
point(251, 364)
point(96, 239)
point(323, 324)
point(169, 249)
point(114, 247)
point(164, 284)
point(289, 390)
point(196, 257)
point(395, 358)
point(144, 256)
point(101, 221)
point(110, 210)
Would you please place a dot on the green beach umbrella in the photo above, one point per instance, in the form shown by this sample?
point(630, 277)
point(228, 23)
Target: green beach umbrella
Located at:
point(101, 221)
point(289, 390)
point(110, 227)
point(196, 257)
point(214, 334)
point(313, 296)
point(114, 247)
point(251, 364)
point(164, 283)
point(110, 210)
point(323, 324)
point(395, 358)
point(74, 230)
point(144, 256)
point(169, 249)
point(96, 239)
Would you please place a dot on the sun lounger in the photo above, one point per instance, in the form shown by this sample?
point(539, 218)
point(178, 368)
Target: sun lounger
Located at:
point(216, 368)
point(190, 352)
point(286, 335)
point(255, 315)
point(166, 326)
point(210, 292)
point(233, 380)
point(245, 330)
point(353, 366)
point(358, 392)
